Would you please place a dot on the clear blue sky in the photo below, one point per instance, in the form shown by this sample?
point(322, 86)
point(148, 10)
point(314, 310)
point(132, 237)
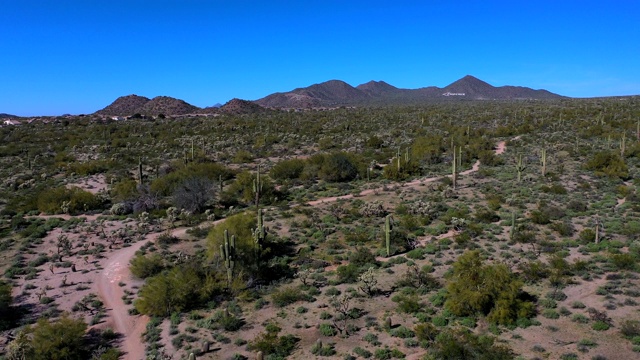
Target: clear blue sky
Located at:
point(77, 56)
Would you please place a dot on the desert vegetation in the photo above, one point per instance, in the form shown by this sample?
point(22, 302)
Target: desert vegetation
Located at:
point(475, 230)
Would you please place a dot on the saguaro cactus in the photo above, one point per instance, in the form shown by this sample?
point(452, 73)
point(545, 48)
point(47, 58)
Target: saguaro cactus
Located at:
point(543, 161)
point(257, 186)
point(520, 167)
point(388, 226)
point(454, 177)
point(513, 225)
point(622, 144)
point(259, 233)
point(140, 170)
point(228, 251)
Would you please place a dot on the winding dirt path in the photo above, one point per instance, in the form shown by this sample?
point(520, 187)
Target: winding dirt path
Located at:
point(116, 269)
point(500, 148)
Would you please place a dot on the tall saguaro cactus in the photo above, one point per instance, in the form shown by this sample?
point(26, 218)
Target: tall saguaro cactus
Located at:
point(140, 170)
point(388, 226)
point(454, 176)
point(543, 161)
point(259, 233)
point(257, 186)
point(228, 252)
point(520, 167)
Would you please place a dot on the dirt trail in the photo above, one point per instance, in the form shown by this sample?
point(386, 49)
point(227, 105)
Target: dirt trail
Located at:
point(116, 269)
point(500, 148)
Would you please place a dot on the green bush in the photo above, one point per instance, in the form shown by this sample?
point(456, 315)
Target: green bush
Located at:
point(288, 295)
point(490, 289)
point(600, 326)
point(61, 339)
point(145, 266)
point(608, 163)
point(272, 345)
point(327, 330)
point(287, 169)
point(176, 290)
point(50, 200)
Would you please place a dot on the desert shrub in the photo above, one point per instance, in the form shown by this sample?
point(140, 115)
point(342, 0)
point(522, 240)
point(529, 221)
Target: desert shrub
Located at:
point(242, 157)
point(327, 329)
point(287, 170)
point(338, 167)
point(564, 228)
point(194, 193)
point(362, 257)
point(608, 163)
point(288, 295)
point(587, 236)
point(50, 200)
point(387, 354)
point(600, 326)
point(489, 289)
point(489, 158)
point(167, 184)
point(623, 261)
point(409, 304)
point(364, 353)
point(426, 332)
point(175, 290)
point(402, 332)
point(56, 340)
point(540, 217)
point(124, 190)
point(630, 328)
point(273, 345)
point(323, 350)
point(227, 320)
point(145, 266)
point(463, 344)
point(486, 216)
point(406, 169)
point(555, 188)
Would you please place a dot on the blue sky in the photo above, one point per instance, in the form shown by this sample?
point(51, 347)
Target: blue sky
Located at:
point(77, 56)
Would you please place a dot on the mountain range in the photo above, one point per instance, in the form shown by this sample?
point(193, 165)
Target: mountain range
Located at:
point(331, 94)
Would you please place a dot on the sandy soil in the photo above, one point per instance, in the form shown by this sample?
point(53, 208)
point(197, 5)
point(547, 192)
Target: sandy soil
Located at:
point(93, 184)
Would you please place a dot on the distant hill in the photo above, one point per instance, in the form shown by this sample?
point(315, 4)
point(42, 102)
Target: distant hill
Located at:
point(329, 94)
point(339, 93)
point(167, 106)
point(4, 116)
point(125, 106)
point(238, 106)
point(134, 104)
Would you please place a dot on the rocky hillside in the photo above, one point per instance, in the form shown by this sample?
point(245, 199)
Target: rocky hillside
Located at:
point(167, 106)
point(124, 105)
point(339, 93)
point(134, 104)
point(238, 106)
